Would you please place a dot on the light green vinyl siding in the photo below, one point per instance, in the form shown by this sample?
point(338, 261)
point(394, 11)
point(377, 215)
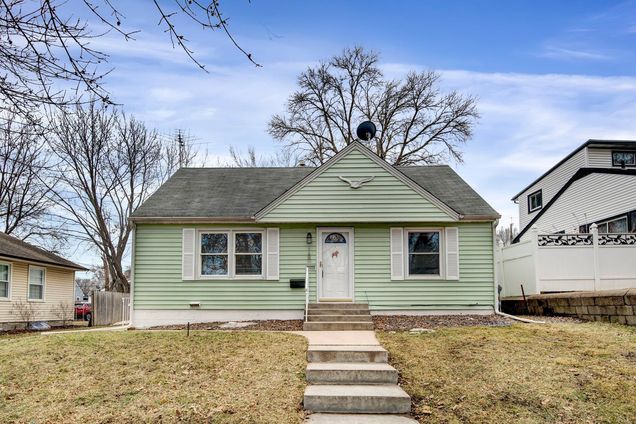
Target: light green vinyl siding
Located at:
point(158, 284)
point(328, 199)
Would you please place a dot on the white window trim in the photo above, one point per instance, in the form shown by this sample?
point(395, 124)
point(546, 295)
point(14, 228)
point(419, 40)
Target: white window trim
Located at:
point(442, 255)
point(232, 275)
point(535, 193)
point(10, 278)
point(43, 284)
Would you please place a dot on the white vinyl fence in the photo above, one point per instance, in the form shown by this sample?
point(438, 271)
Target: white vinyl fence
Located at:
point(568, 262)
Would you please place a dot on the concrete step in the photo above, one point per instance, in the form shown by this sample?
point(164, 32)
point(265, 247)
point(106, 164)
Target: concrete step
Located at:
point(339, 318)
point(351, 373)
point(338, 353)
point(338, 305)
point(358, 419)
point(363, 399)
point(333, 311)
point(337, 326)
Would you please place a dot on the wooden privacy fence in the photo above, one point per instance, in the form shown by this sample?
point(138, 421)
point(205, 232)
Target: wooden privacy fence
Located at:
point(110, 308)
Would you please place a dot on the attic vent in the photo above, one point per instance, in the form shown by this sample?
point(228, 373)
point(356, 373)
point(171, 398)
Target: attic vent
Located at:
point(301, 163)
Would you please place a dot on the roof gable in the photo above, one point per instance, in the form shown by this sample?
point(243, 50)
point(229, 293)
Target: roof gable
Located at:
point(331, 193)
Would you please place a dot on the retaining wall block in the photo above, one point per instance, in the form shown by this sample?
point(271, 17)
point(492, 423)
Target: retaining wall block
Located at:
point(609, 300)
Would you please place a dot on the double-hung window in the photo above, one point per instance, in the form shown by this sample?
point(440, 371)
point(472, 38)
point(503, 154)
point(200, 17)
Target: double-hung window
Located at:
point(231, 254)
point(37, 276)
point(5, 275)
point(215, 254)
point(423, 247)
point(535, 201)
point(248, 254)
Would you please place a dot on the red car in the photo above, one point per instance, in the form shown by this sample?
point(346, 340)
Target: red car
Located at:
point(83, 310)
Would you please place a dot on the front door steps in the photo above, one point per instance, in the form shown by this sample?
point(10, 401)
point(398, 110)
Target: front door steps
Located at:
point(353, 384)
point(338, 317)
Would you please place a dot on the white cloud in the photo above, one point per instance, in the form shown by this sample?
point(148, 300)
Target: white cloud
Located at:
point(557, 52)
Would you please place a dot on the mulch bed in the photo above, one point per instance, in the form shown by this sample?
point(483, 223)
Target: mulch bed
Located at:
point(408, 322)
point(268, 325)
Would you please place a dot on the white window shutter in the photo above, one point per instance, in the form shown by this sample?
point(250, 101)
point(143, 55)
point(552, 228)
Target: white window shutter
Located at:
point(272, 253)
point(397, 253)
point(452, 253)
point(188, 250)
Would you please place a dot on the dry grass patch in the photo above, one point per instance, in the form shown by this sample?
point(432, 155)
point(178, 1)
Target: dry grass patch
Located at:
point(215, 377)
point(565, 373)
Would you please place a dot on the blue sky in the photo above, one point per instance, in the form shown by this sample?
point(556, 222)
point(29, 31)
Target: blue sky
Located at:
point(548, 75)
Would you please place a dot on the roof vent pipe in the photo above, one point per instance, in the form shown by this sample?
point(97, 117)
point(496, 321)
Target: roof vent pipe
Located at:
point(301, 163)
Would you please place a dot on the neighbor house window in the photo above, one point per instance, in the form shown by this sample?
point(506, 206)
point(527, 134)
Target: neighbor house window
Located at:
point(231, 254)
point(423, 252)
point(612, 226)
point(36, 282)
point(5, 271)
point(624, 158)
point(535, 201)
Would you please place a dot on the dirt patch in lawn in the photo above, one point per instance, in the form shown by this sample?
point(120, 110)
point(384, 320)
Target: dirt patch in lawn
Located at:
point(268, 325)
point(158, 376)
point(407, 322)
point(553, 373)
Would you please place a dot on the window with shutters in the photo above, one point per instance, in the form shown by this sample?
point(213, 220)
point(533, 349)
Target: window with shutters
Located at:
point(423, 252)
point(231, 254)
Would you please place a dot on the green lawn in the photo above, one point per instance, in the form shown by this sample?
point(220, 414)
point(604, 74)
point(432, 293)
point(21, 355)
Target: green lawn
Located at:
point(555, 373)
point(218, 377)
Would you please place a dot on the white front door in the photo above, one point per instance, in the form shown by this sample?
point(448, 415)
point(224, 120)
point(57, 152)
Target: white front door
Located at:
point(335, 267)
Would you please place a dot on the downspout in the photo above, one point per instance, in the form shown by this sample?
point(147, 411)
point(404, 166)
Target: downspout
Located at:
point(495, 267)
point(132, 276)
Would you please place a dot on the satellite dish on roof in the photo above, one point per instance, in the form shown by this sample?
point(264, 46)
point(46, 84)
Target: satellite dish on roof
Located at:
point(366, 131)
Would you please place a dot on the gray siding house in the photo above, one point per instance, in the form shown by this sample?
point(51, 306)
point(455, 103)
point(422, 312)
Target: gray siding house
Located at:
point(596, 183)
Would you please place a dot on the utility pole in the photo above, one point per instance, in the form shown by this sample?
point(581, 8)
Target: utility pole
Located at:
point(181, 148)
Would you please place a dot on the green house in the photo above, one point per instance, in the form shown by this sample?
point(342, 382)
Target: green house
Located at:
point(218, 244)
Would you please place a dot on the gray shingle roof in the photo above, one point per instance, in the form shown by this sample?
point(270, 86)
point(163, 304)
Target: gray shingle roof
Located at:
point(242, 192)
point(15, 248)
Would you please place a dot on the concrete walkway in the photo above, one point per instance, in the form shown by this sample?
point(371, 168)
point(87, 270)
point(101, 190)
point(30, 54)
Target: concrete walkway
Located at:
point(351, 381)
point(340, 338)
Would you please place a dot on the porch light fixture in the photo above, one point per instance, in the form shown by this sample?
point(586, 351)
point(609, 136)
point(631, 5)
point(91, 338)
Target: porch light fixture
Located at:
point(308, 238)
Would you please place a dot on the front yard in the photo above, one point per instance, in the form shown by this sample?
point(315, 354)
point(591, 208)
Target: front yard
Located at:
point(560, 372)
point(555, 373)
point(217, 377)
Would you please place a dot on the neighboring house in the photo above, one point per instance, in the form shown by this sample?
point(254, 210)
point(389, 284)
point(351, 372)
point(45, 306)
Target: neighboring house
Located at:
point(231, 243)
point(578, 225)
point(36, 278)
point(596, 183)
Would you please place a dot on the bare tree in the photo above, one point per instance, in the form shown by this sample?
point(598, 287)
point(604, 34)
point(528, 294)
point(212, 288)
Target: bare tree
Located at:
point(109, 164)
point(46, 56)
point(250, 159)
point(417, 123)
point(25, 178)
point(64, 311)
point(505, 235)
point(95, 282)
point(25, 311)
